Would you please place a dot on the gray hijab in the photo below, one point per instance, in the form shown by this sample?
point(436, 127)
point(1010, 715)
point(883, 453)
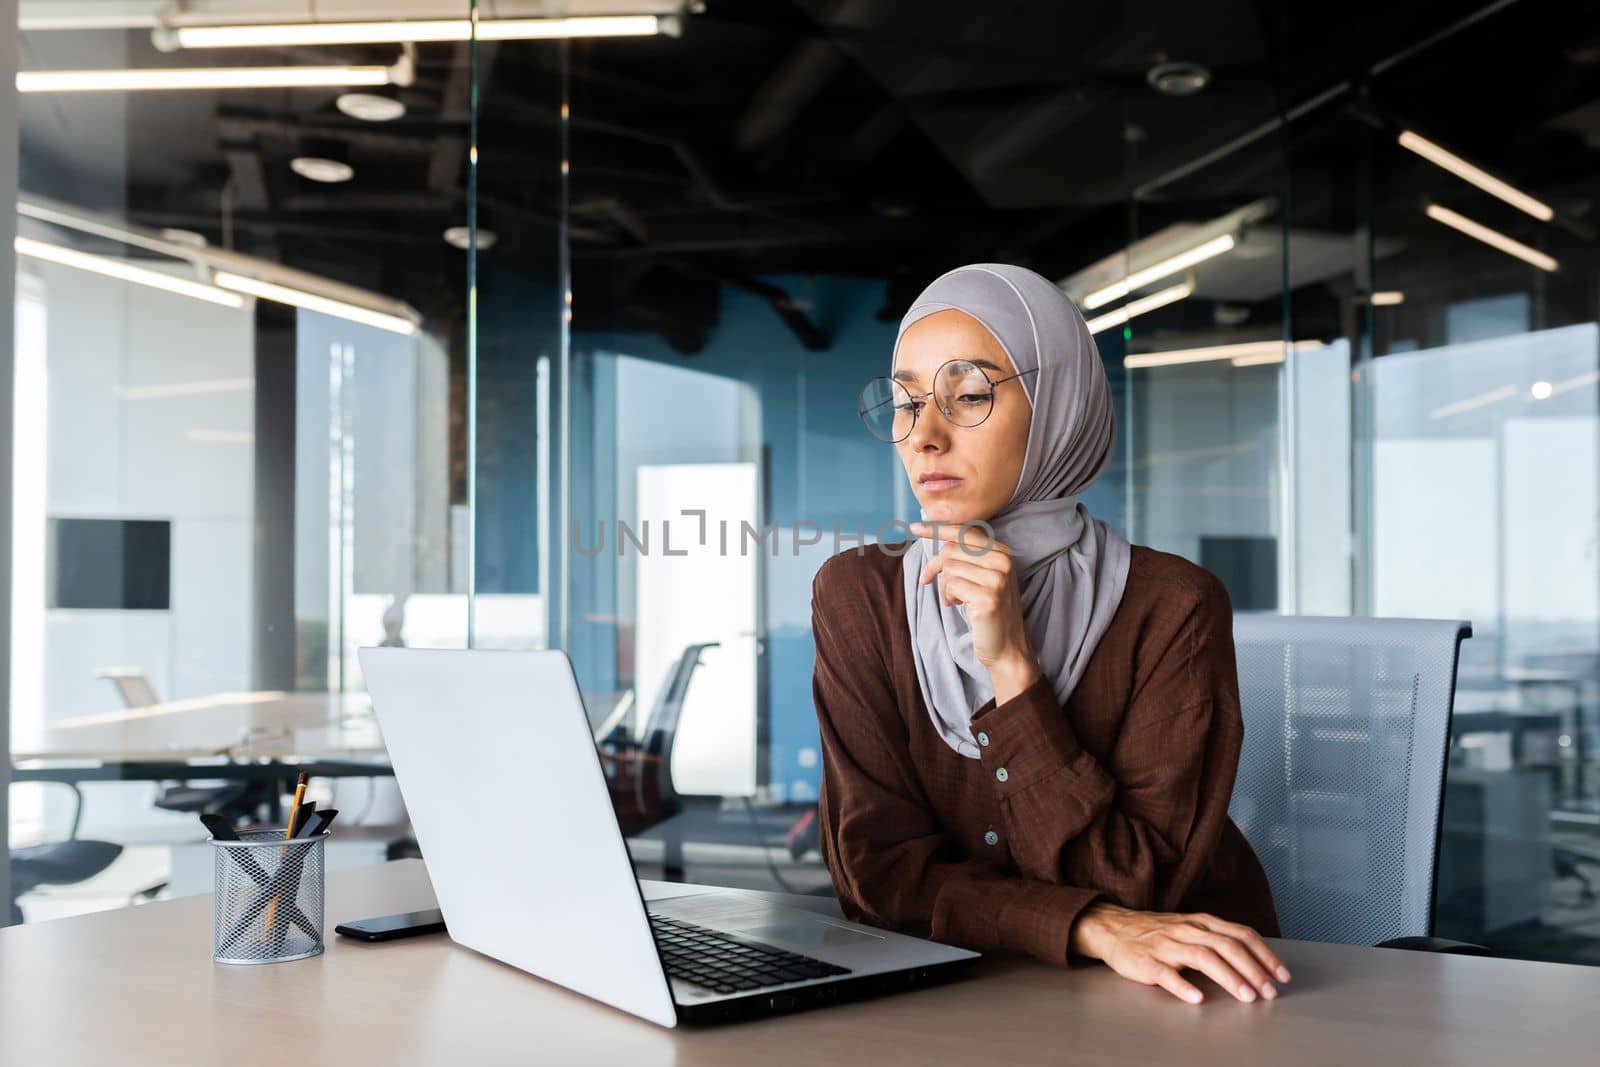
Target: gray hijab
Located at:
point(1071, 566)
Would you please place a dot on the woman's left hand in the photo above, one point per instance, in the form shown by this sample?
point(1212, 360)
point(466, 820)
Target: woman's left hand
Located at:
point(986, 582)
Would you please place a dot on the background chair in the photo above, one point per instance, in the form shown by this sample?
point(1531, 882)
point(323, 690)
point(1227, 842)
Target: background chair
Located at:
point(1341, 779)
point(640, 772)
point(61, 862)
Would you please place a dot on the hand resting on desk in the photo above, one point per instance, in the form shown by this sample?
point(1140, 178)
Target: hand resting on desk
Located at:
point(1154, 947)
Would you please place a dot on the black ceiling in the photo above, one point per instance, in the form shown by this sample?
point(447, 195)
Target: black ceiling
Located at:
point(875, 137)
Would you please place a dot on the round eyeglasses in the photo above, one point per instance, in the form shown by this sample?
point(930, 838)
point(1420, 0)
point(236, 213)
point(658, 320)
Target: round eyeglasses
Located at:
point(964, 393)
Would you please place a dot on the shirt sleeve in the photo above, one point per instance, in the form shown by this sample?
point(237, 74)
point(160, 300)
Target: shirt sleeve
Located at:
point(891, 862)
point(1141, 824)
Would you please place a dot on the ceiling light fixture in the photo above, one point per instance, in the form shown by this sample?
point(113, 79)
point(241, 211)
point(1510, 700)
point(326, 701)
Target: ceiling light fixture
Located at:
point(1388, 298)
point(290, 34)
point(1244, 354)
point(90, 81)
point(1493, 238)
point(1156, 271)
point(119, 269)
point(461, 237)
point(317, 169)
point(1134, 308)
point(254, 276)
point(370, 107)
point(282, 294)
point(1482, 179)
point(1179, 78)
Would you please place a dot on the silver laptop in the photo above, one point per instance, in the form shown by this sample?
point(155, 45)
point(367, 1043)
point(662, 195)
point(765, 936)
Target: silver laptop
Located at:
point(508, 801)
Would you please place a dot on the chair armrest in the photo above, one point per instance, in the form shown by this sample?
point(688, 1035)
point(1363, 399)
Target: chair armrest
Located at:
point(1435, 944)
point(77, 809)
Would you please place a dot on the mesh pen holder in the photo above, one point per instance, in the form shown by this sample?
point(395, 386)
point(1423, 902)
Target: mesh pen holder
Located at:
point(268, 903)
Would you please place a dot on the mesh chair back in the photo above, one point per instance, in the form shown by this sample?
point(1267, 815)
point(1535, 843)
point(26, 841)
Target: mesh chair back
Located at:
point(661, 728)
point(1341, 778)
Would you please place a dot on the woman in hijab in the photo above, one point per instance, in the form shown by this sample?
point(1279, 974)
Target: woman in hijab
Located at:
point(1029, 740)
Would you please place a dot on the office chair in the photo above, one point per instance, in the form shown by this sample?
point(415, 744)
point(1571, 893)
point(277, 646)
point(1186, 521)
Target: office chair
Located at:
point(1340, 784)
point(639, 773)
point(60, 862)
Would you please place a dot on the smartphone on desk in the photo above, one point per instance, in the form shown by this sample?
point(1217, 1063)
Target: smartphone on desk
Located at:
point(389, 927)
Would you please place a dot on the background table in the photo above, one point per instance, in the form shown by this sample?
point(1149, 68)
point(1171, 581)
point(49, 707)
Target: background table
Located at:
point(227, 724)
point(138, 986)
point(261, 736)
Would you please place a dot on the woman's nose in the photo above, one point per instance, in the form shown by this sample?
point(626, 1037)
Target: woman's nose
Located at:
point(930, 432)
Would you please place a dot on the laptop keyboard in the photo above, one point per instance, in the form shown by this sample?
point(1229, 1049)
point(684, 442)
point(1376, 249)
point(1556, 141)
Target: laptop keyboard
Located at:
point(724, 964)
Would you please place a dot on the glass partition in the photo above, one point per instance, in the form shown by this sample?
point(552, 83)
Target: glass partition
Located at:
point(239, 437)
point(1480, 467)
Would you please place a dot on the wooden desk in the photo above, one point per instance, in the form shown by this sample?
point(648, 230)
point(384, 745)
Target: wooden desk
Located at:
point(138, 986)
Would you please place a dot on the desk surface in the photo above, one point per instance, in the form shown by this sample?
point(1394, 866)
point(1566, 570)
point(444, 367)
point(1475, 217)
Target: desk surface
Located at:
point(138, 986)
point(239, 725)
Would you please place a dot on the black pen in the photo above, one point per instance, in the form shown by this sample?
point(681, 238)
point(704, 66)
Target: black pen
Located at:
point(318, 822)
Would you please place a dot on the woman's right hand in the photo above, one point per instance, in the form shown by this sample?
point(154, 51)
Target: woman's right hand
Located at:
point(1154, 947)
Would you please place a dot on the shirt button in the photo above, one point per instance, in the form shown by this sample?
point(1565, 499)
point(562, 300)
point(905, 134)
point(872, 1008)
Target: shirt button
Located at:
point(983, 739)
point(1001, 774)
point(991, 838)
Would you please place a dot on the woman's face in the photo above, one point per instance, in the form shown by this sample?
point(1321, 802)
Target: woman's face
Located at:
point(961, 473)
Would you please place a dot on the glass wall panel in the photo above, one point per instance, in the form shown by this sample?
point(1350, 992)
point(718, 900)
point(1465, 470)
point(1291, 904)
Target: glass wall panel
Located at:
point(517, 165)
point(1481, 476)
point(1191, 313)
point(724, 322)
point(239, 442)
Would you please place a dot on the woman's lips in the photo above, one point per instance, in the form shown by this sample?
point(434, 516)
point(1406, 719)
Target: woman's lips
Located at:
point(938, 485)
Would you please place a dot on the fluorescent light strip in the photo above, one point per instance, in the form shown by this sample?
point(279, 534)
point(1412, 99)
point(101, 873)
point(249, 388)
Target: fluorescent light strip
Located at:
point(220, 437)
point(1483, 180)
point(1490, 237)
point(117, 21)
point(282, 294)
point(1259, 359)
point(1575, 383)
point(1254, 351)
point(1156, 271)
point(204, 387)
point(1388, 298)
point(1135, 308)
point(401, 31)
point(89, 81)
point(1472, 403)
point(116, 268)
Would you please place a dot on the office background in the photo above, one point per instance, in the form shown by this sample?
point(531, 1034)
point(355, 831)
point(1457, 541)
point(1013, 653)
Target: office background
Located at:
point(558, 287)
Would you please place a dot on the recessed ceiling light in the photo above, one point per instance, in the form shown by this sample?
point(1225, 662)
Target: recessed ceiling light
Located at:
point(1178, 79)
point(370, 107)
point(461, 238)
point(318, 169)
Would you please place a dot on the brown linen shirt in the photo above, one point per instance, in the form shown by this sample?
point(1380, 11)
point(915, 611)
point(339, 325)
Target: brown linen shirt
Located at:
point(1122, 796)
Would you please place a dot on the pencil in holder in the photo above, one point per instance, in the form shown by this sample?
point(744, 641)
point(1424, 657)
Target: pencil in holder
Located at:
point(268, 904)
